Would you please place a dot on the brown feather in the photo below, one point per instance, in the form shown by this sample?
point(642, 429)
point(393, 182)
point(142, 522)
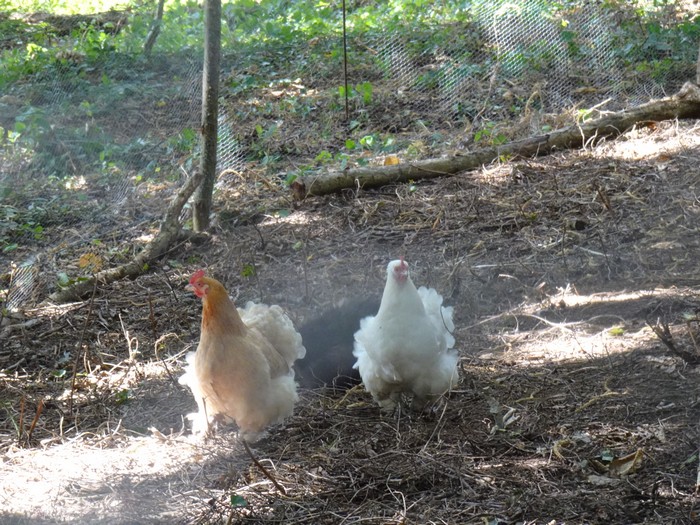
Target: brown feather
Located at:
point(241, 372)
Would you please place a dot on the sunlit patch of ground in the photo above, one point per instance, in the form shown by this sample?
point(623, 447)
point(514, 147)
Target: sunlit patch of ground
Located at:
point(569, 408)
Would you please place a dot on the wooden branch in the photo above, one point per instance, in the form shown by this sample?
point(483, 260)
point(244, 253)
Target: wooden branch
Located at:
point(685, 104)
point(167, 235)
point(202, 202)
point(663, 332)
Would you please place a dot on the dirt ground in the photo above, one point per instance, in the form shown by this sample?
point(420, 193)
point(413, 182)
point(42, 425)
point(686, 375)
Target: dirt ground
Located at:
point(570, 409)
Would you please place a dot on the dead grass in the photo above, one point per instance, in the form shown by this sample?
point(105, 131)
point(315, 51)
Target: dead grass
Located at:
point(554, 266)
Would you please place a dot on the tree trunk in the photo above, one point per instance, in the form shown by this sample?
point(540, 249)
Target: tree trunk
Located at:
point(210, 114)
point(685, 104)
point(155, 29)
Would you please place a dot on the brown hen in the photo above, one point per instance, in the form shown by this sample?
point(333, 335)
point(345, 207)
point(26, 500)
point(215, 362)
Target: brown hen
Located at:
point(242, 369)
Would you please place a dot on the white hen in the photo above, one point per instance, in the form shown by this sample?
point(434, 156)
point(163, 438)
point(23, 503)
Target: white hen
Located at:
point(407, 346)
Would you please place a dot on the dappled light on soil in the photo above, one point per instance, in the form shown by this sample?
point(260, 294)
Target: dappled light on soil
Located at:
point(570, 326)
point(643, 145)
point(569, 407)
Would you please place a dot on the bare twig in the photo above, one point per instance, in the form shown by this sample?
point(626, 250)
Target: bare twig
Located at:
point(20, 425)
point(79, 346)
point(263, 469)
point(39, 410)
point(158, 342)
point(608, 393)
point(663, 332)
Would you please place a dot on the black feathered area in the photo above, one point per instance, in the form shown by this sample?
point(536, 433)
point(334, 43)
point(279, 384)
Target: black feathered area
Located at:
point(329, 340)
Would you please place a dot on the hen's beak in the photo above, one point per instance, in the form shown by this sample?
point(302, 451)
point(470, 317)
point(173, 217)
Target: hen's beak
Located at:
point(401, 272)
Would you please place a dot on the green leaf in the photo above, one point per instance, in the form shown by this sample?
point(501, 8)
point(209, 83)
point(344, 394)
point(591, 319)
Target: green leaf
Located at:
point(500, 139)
point(616, 331)
point(365, 88)
point(248, 270)
point(122, 396)
point(324, 156)
point(238, 501)
point(367, 141)
point(64, 280)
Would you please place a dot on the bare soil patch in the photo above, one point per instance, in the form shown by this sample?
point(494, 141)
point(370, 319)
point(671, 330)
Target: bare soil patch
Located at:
point(569, 409)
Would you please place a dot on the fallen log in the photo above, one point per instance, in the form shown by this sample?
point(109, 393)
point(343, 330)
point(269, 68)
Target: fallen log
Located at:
point(683, 105)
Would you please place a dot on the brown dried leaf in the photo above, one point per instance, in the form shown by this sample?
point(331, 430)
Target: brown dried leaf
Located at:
point(627, 464)
point(391, 160)
point(90, 261)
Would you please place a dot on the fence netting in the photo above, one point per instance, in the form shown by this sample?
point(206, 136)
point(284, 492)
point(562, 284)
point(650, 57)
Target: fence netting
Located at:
point(93, 142)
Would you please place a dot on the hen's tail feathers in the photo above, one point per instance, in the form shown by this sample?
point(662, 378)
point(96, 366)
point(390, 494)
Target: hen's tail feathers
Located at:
point(277, 327)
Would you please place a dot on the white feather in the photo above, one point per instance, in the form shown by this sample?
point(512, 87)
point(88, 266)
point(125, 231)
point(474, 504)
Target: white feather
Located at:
point(277, 327)
point(408, 346)
point(269, 404)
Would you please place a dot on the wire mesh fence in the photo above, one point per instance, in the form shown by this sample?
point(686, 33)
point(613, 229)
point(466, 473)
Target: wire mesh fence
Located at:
point(94, 144)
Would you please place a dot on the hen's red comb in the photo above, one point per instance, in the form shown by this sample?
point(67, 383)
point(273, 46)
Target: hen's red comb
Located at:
point(196, 276)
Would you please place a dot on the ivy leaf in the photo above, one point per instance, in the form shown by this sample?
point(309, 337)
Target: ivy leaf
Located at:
point(64, 280)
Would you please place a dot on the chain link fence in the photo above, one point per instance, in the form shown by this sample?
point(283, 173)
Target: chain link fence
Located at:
point(93, 145)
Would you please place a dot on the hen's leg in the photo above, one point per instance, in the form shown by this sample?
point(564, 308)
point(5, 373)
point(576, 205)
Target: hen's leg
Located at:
point(424, 404)
point(387, 401)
